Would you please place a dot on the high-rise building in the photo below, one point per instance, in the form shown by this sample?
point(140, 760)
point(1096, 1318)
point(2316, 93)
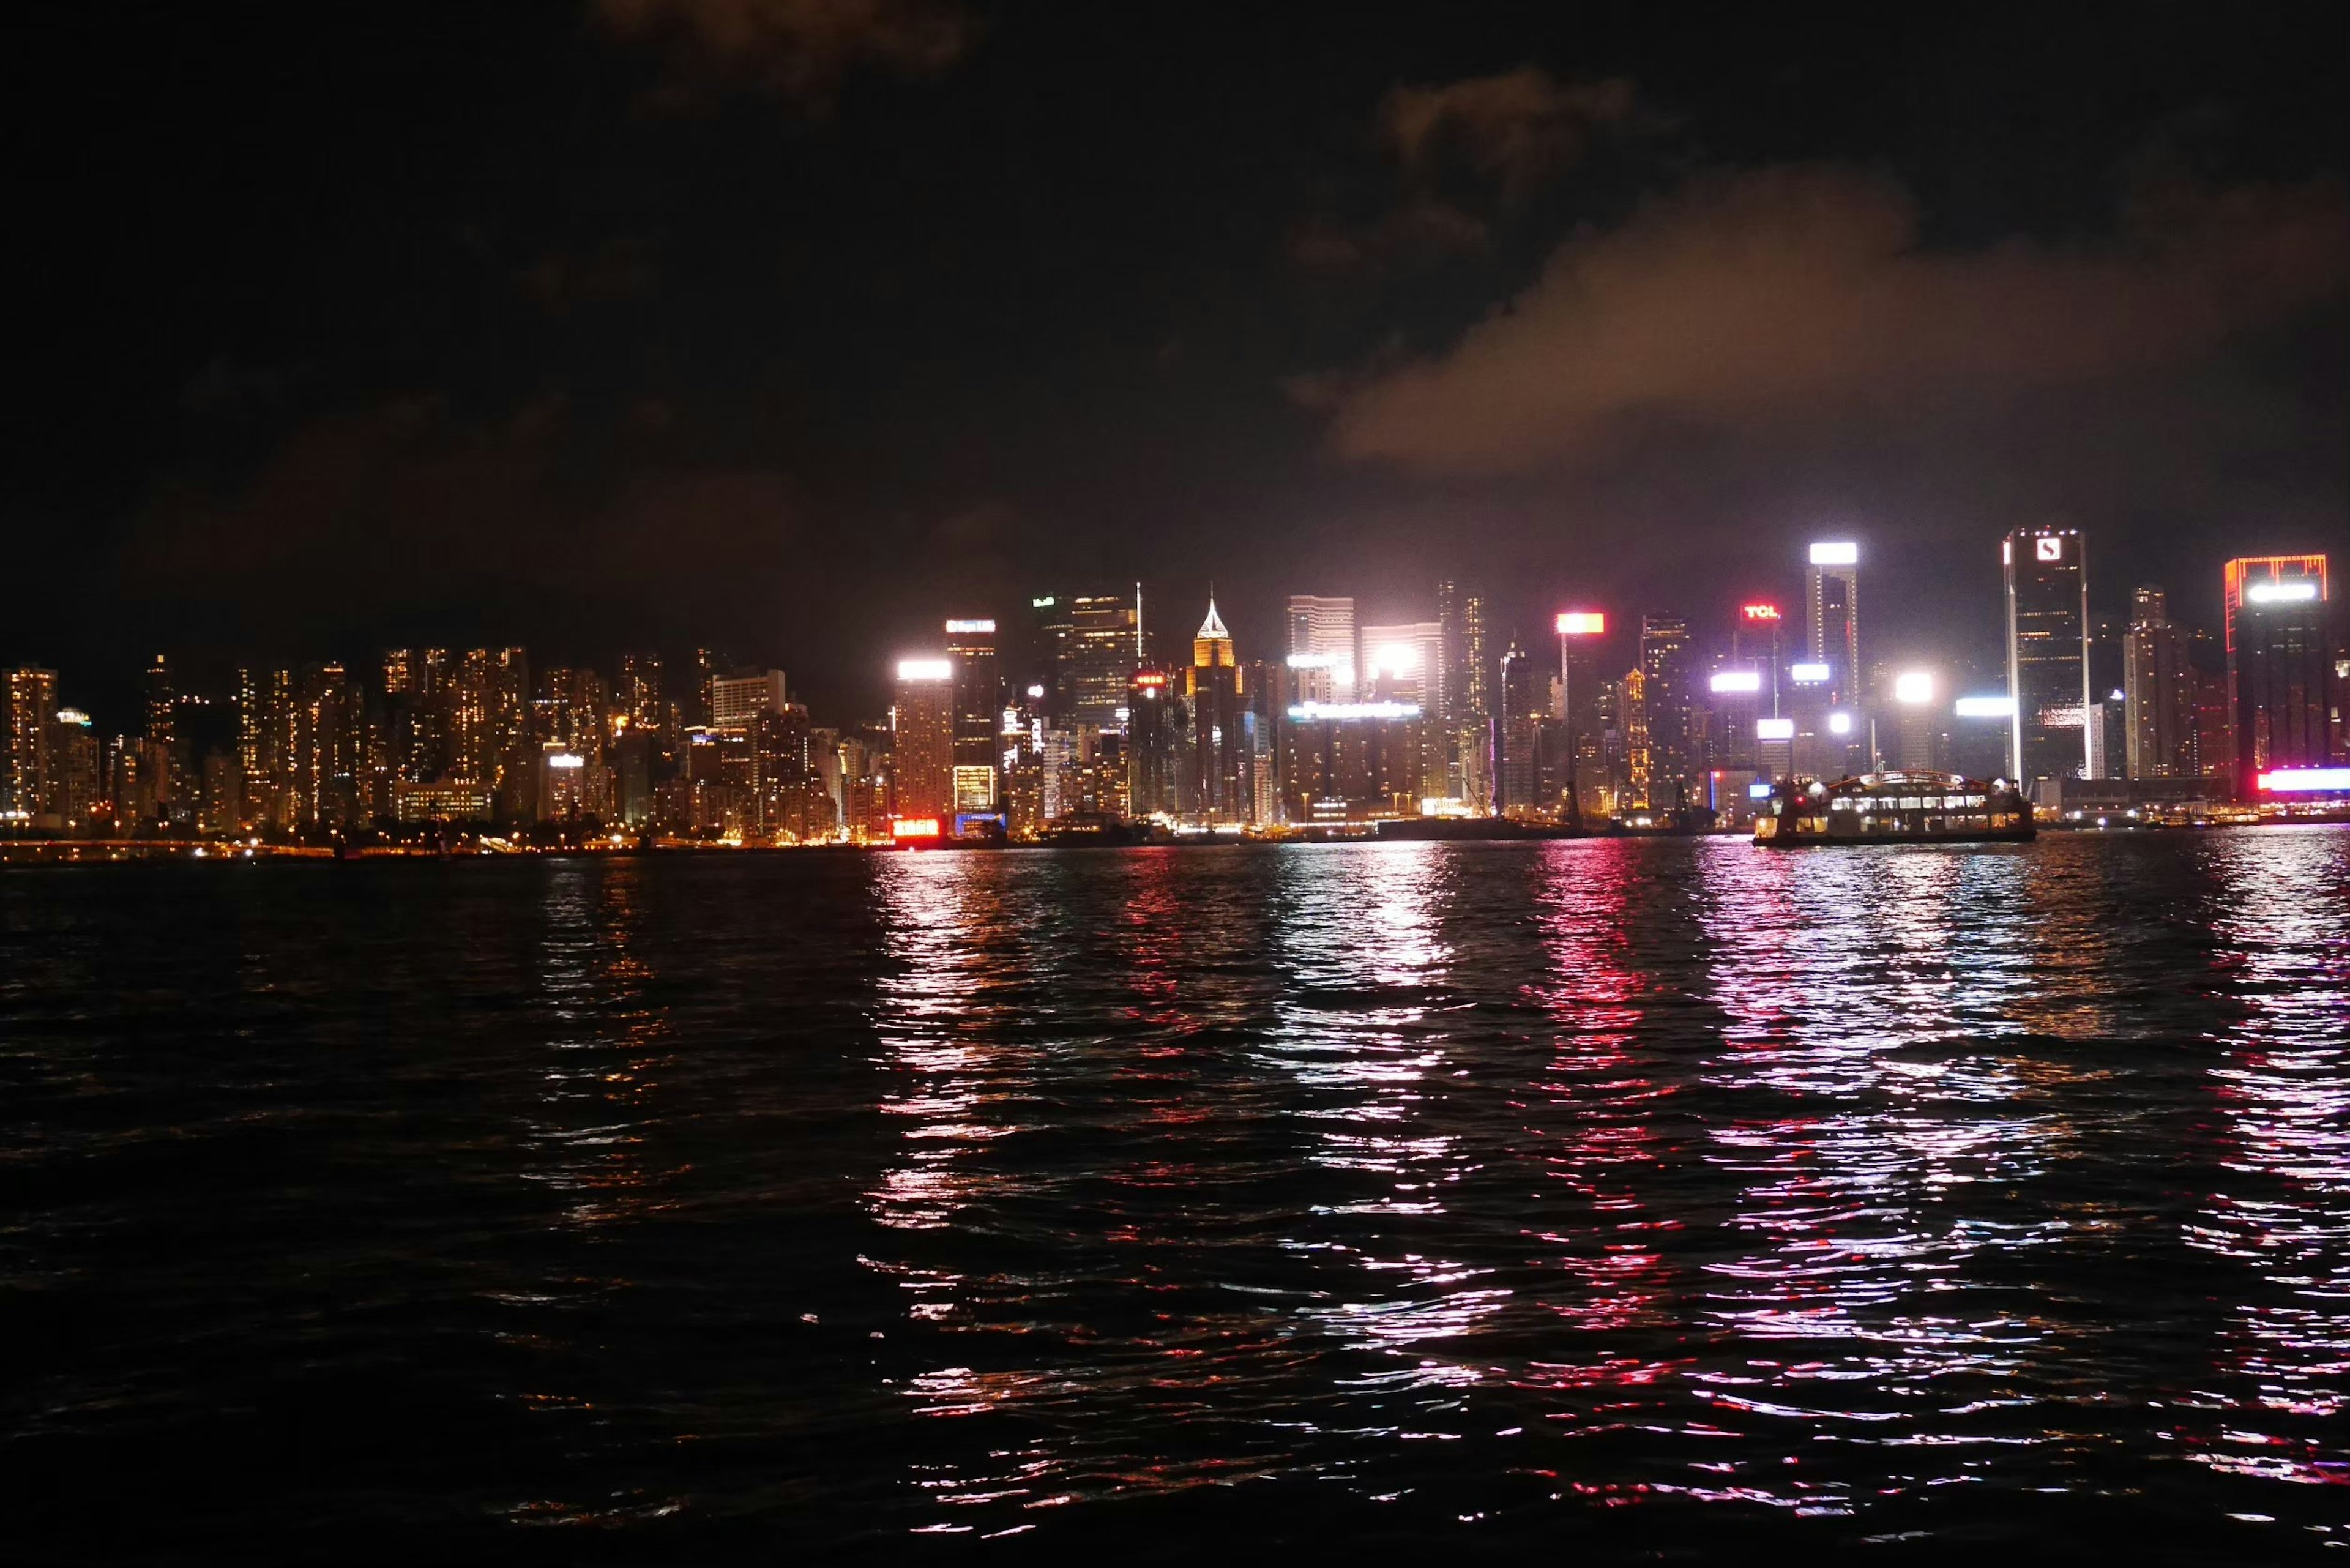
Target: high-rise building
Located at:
point(25, 761)
point(979, 712)
point(1832, 607)
point(2157, 692)
point(1324, 628)
point(736, 700)
point(1518, 732)
point(1223, 772)
point(2280, 665)
point(2047, 652)
point(1156, 726)
point(1092, 643)
point(922, 763)
point(1665, 671)
point(639, 695)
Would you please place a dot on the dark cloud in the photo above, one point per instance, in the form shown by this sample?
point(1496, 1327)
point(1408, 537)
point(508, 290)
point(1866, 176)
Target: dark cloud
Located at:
point(1520, 128)
point(1419, 230)
point(799, 49)
point(1793, 293)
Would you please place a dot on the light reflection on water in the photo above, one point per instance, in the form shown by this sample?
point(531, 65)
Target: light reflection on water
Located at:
point(2274, 1408)
point(1493, 1190)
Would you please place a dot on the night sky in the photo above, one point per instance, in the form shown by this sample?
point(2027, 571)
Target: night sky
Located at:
point(793, 326)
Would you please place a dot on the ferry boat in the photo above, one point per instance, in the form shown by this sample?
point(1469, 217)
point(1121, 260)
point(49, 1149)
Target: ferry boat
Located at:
point(1908, 806)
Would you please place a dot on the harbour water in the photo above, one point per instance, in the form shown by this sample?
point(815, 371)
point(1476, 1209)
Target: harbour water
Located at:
point(1615, 1197)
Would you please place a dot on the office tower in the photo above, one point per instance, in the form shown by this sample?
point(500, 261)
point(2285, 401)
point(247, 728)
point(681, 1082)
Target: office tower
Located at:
point(979, 712)
point(2157, 692)
point(2047, 653)
point(2280, 665)
point(1222, 774)
point(737, 701)
point(400, 671)
point(1758, 641)
point(921, 767)
point(1324, 628)
point(1664, 670)
point(26, 764)
point(1831, 603)
point(1092, 643)
point(1157, 717)
point(1581, 767)
point(709, 664)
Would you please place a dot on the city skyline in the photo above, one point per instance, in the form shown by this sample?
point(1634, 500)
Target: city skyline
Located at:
point(1088, 715)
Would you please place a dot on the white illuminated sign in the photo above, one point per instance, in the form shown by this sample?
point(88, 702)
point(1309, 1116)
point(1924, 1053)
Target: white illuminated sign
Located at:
point(2288, 781)
point(1838, 552)
point(1986, 707)
point(968, 628)
point(1808, 674)
point(2296, 591)
point(1775, 728)
point(925, 670)
point(1313, 712)
point(1839, 723)
point(2049, 549)
point(566, 760)
point(1734, 680)
point(1913, 686)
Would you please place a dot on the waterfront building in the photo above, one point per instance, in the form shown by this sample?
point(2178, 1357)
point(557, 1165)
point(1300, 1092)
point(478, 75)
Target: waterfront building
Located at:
point(2280, 676)
point(1518, 732)
point(1666, 690)
point(2047, 652)
point(978, 712)
point(25, 762)
point(2157, 690)
point(1156, 721)
point(1222, 767)
point(1092, 643)
point(1832, 616)
point(921, 723)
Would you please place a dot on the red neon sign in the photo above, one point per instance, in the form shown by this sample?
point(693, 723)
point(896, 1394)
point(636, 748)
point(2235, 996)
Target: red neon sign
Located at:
point(1761, 612)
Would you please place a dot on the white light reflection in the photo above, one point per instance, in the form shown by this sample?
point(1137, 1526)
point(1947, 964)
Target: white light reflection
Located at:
point(2283, 1090)
point(1358, 938)
point(1884, 1149)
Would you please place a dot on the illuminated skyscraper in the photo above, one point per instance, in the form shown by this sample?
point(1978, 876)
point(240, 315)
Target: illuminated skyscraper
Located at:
point(2047, 653)
point(1832, 604)
point(2157, 690)
point(25, 761)
point(1665, 671)
point(1321, 627)
point(1092, 644)
point(1517, 732)
point(1156, 720)
point(922, 763)
point(979, 712)
point(2280, 665)
point(1221, 753)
